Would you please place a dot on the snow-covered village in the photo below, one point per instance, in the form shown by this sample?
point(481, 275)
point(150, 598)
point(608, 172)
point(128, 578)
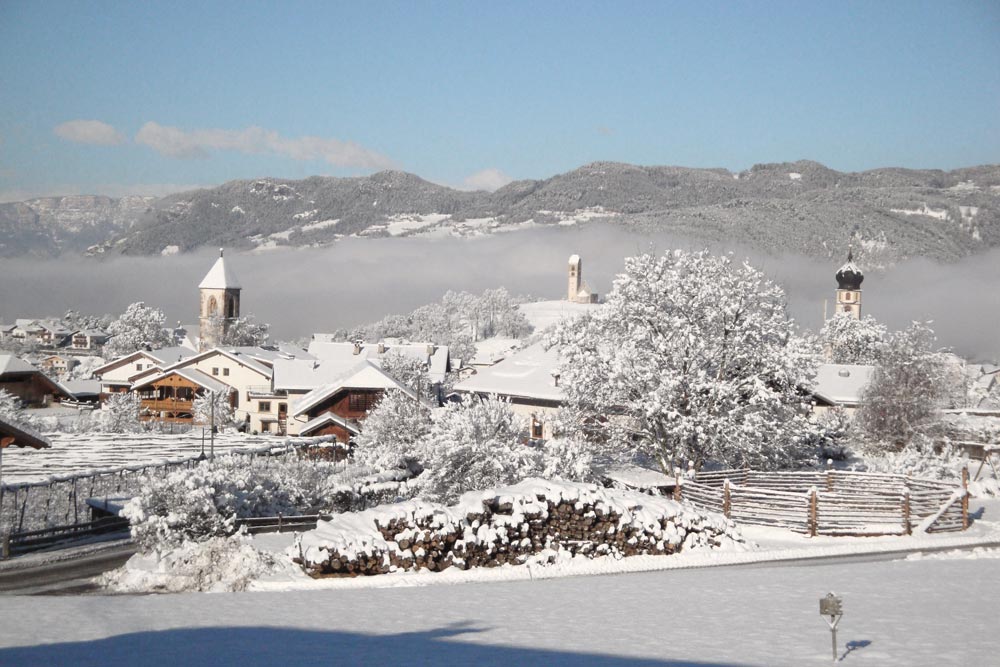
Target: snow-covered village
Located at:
point(270, 397)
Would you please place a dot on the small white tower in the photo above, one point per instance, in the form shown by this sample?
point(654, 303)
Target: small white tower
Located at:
point(220, 303)
point(575, 277)
point(849, 279)
point(577, 291)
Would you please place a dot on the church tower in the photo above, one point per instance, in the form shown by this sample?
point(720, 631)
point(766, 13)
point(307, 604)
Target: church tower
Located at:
point(575, 277)
point(220, 303)
point(849, 279)
point(577, 291)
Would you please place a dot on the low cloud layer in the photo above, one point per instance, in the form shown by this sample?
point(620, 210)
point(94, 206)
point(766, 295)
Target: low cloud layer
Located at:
point(487, 179)
point(89, 132)
point(301, 291)
point(178, 143)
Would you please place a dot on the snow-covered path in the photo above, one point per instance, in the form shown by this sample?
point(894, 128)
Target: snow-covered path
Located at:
point(934, 611)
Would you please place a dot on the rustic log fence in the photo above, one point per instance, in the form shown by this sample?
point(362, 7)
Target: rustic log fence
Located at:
point(833, 502)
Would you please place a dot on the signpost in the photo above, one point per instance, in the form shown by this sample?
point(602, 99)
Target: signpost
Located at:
point(832, 606)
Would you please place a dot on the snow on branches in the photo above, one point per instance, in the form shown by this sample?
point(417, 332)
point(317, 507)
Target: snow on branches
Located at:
point(900, 401)
point(693, 358)
point(847, 340)
point(393, 432)
point(138, 327)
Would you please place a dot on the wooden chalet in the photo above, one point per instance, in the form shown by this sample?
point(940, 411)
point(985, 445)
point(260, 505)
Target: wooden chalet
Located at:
point(88, 339)
point(338, 408)
point(169, 396)
point(23, 380)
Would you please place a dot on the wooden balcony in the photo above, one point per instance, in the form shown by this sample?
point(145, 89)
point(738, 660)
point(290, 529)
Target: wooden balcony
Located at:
point(167, 405)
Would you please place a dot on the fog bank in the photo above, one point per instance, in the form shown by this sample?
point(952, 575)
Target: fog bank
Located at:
point(300, 291)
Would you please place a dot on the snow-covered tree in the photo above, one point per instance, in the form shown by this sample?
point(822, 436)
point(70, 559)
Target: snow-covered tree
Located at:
point(120, 413)
point(408, 370)
point(138, 327)
point(478, 444)
point(852, 341)
point(392, 432)
point(692, 358)
point(203, 409)
point(901, 399)
point(246, 332)
point(10, 407)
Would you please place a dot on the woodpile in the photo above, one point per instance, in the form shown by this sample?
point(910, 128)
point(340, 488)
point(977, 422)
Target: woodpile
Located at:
point(537, 521)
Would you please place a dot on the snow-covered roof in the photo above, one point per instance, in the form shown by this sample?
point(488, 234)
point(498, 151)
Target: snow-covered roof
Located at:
point(528, 373)
point(220, 276)
point(193, 374)
point(492, 350)
point(16, 434)
point(308, 374)
point(842, 384)
point(365, 375)
point(543, 314)
point(325, 418)
point(12, 364)
point(321, 347)
point(81, 387)
point(236, 354)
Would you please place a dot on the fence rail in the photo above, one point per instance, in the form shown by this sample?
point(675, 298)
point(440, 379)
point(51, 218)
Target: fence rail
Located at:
point(33, 540)
point(833, 502)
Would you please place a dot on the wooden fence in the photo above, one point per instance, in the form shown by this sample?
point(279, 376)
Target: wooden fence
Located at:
point(833, 502)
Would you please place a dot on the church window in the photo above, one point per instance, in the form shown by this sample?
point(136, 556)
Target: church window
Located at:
point(213, 306)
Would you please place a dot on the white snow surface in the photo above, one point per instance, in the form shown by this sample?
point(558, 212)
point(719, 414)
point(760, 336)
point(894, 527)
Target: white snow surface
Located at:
point(932, 611)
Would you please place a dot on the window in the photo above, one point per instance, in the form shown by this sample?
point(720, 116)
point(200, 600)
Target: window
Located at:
point(225, 371)
point(215, 371)
point(264, 406)
point(138, 367)
point(265, 427)
point(363, 402)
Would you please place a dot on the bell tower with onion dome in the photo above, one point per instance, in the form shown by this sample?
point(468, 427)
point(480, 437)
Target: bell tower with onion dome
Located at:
point(849, 279)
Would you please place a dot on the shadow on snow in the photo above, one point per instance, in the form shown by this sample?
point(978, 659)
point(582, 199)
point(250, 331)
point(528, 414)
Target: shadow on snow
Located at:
point(259, 646)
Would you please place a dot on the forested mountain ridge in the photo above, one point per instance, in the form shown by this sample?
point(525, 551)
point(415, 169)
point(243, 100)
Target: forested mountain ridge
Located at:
point(799, 207)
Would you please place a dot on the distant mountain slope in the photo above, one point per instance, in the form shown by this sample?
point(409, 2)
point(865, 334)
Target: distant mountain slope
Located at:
point(801, 206)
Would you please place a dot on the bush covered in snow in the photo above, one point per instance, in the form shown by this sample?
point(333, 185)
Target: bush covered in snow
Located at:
point(534, 521)
point(205, 501)
point(216, 564)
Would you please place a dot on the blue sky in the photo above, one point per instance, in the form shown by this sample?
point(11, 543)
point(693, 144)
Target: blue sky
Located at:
point(115, 97)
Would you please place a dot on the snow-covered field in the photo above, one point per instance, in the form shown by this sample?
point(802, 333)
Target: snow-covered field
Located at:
point(908, 612)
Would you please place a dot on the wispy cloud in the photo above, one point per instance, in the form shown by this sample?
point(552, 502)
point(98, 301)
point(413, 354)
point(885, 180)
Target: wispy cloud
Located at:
point(89, 132)
point(487, 179)
point(178, 143)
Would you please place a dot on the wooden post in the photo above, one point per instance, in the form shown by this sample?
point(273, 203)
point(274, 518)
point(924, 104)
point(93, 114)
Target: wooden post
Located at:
point(907, 528)
point(813, 513)
point(677, 487)
point(727, 503)
point(965, 498)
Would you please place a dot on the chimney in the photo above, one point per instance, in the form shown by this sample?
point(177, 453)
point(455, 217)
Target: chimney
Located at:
point(430, 350)
point(357, 346)
point(555, 379)
point(381, 348)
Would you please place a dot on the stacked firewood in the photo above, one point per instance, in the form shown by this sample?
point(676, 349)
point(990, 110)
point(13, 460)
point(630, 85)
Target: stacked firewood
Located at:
point(536, 521)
